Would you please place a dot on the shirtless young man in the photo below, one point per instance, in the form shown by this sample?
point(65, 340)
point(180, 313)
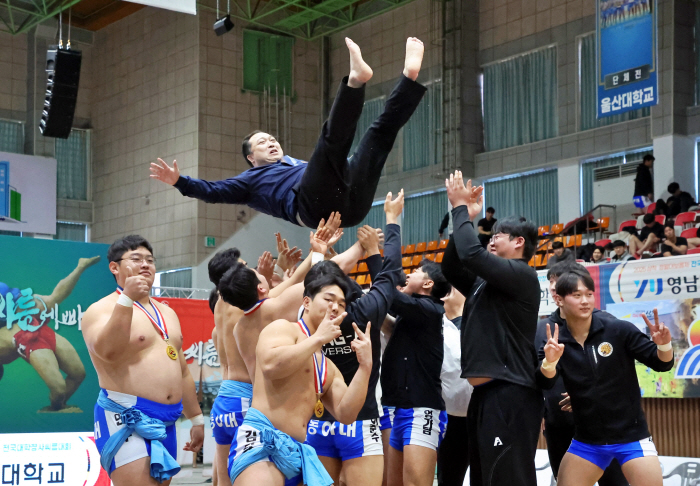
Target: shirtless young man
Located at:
point(143, 375)
point(235, 392)
point(46, 351)
point(293, 379)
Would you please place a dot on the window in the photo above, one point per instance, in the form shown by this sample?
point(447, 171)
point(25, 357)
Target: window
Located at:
point(422, 135)
point(267, 62)
point(422, 216)
point(73, 165)
point(534, 195)
point(520, 99)
point(180, 278)
point(71, 231)
point(370, 112)
point(375, 218)
point(11, 136)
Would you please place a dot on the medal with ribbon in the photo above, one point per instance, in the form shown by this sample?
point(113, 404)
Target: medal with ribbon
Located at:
point(320, 374)
point(158, 322)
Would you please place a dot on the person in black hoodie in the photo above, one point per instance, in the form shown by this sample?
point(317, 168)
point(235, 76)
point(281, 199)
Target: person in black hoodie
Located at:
point(596, 359)
point(644, 182)
point(559, 424)
point(498, 339)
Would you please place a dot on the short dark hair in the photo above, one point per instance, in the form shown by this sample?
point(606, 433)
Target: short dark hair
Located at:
point(670, 225)
point(673, 187)
point(239, 286)
point(598, 248)
point(517, 226)
point(649, 157)
point(221, 262)
point(441, 287)
point(128, 243)
point(617, 243)
point(559, 269)
point(568, 283)
point(648, 218)
point(630, 229)
point(245, 146)
point(490, 210)
point(557, 244)
point(323, 280)
point(328, 267)
point(213, 299)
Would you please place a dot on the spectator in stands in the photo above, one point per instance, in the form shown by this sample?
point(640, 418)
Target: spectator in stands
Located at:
point(679, 202)
point(661, 208)
point(561, 254)
point(644, 182)
point(598, 256)
point(649, 236)
point(694, 242)
point(673, 245)
point(621, 253)
point(443, 226)
point(485, 227)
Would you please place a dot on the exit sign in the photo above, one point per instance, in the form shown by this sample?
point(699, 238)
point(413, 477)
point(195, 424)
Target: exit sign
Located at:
point(209, 241)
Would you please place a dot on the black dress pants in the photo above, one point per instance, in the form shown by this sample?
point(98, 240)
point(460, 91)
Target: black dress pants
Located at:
point(331, 182)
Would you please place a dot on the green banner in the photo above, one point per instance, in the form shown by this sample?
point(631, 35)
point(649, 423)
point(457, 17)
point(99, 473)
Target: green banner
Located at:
point(47, 381)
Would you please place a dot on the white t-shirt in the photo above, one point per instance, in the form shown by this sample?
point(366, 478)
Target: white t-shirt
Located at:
point(456, 391)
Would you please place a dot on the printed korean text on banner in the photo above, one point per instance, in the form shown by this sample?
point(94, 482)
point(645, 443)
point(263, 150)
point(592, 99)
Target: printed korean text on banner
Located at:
point(635, 288)
point(27, 193)
point(626, 45)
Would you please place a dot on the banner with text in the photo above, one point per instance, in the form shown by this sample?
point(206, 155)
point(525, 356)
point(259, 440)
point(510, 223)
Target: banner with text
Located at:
point(635, 288)
point(626, 61)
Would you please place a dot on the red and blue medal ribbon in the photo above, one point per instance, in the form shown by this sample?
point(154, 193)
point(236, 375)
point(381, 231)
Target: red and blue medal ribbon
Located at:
point(158, 321)
point(322, 370)
point(254, 308)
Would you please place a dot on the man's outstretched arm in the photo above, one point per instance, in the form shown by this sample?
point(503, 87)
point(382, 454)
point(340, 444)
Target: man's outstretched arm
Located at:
point(64, 288)
point(231, 191)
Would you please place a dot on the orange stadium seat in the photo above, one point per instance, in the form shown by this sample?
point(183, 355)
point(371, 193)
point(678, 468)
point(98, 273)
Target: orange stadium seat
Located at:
point(429, 256)
point(362, 268)
point(432, 246)
point(532, 261)
point(438, 258)
point(574, 240)
point(409, 250)
point(542, 230)
point(541, 259)
point(406, 262)
point(420, 247)
point(361, 279)
point(407, 271)
point(557, 228)
point(443, 244)
point(416, 260)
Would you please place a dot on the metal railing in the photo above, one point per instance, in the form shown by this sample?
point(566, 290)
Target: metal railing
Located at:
point(180, 293)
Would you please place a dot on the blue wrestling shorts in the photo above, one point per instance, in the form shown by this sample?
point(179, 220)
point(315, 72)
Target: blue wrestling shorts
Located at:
point(229, 409)
point(345, 442)
point(418, 426)
point(602, 455)
point(135, 447)
point(386, 421)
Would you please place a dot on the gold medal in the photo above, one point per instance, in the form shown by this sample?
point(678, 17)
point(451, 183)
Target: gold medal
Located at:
point(171, 351)
point(318, 409)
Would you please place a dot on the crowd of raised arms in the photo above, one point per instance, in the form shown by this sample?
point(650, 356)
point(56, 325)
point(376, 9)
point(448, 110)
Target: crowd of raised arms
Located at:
point(325, 382)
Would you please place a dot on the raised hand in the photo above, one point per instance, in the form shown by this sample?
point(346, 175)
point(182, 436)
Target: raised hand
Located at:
point(393, 207)
point(329, 329)
point(369, 239)
point(660, 334)
point(161, 171)
point(266, 265)
point(460, 194)
point(362, 345)
point(325, 231)
point(135, 286)
point(553, 350)
point(336, 236)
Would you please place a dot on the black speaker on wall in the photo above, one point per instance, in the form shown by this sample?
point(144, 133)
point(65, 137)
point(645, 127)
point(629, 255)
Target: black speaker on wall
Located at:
point(63, 73)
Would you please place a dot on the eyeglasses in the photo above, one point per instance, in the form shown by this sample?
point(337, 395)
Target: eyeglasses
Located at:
point(137, 259)
point(497, 236)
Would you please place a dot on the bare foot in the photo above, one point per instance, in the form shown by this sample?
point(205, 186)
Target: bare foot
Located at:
point(360, 72)
point(414, 58)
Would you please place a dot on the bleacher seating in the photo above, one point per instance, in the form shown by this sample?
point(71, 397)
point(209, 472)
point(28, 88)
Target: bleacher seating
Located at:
point(693, 251)
point(542, 230)
point(651, 208)
point(689, 233)
point(602, 243)
point(685, 219)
